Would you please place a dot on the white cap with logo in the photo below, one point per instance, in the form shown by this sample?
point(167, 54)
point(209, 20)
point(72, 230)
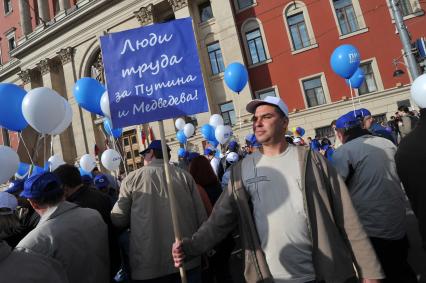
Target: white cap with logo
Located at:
point(9, 202)
point(271, 100)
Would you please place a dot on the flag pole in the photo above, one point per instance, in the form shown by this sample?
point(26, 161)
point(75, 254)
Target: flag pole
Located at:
point(172, 200)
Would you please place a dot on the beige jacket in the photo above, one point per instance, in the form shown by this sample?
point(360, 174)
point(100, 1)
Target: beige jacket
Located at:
point(143, 204)
point(338, 239)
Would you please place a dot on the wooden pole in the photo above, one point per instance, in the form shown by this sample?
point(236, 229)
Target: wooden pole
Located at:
point(172, 200)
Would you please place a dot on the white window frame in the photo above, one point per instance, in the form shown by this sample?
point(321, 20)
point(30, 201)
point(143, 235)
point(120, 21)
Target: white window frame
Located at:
point(415, 5)
point(4, 6)
point(9, 35)
point(324, 87)
point(237, 6)
point(209, 39)
point(362, 28)
point(235, 111)
point(377, 76)
point(291, 9)
point(249, 25)
point(257, 93)
point(210, 62)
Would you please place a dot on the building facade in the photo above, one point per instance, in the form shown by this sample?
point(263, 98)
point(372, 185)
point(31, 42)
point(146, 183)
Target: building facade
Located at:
point(286, 46)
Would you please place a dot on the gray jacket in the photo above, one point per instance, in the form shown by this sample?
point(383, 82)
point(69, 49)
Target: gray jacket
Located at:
point(24, 267)
point(143, 204)
point(339, 242)
point(78, 238)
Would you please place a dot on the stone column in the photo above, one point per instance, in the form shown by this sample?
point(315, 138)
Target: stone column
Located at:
point(25, 18)
point(64, 5)
point(43, 10)
point(48, 73)
point(82, 123)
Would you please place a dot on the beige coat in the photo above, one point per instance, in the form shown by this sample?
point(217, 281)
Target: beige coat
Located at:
point(338, 239)
point(143, 204)
point(77, 238)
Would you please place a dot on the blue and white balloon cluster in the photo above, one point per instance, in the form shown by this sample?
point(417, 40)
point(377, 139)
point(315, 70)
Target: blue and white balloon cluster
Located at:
point(345, 61)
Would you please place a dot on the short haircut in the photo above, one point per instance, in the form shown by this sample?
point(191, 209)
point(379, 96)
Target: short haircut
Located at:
point(9, 224)
point(52, 196)
point(333, 123)
point(158, 153)
point(403, 108)
point(69, 175)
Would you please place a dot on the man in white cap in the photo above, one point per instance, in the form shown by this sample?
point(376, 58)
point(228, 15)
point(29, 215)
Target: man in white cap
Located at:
point(296, 219)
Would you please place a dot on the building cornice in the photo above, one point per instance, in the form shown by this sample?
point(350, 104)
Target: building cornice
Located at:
point(178, 4)
point(145, 15)
point(66, 55)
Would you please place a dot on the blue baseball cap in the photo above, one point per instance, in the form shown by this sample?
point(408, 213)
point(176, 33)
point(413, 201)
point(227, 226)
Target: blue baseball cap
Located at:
point(232, 145)
point(15, 186)
point(101, 181)
point(362, 112)
point(348, 120)
point(251, 138)
point(155, 144)
point(41, 185)
point(209, 150)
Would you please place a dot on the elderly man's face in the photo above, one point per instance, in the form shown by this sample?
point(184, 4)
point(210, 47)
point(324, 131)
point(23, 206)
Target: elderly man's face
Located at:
point(268, 125)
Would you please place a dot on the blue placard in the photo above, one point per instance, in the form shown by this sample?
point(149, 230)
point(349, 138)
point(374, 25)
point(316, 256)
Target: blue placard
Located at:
point(153, 73)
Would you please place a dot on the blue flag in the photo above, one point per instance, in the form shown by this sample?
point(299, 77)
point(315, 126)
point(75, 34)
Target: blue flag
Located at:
point(153, 73)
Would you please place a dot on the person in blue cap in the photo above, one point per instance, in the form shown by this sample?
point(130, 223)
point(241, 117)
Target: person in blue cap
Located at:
point(371, 125)
point(76, 237)
point(103, 185)
point(296, 219)
point(143, 205)
point(366, 162)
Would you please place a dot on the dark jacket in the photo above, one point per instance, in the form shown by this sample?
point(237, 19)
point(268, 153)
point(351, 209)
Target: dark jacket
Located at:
point(410, 163)
point(338, 239)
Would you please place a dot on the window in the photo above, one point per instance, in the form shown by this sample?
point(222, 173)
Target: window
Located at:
point(244, 4)
point(206, 12)
point(135, 153)
point(255, 45)
point(324, 132)
point(126, 141)
point(128, 155)
point(134, 140)
point(298, 31)
point(314, 92)
point(191, 119)
point(265, 93)
point(7, 4)
point(369, 84)
point(216, 59)
point(380, 118)
point(346, 16)
point(228, 113)
point(131, 168)
point(405, 7)
point(11, 42)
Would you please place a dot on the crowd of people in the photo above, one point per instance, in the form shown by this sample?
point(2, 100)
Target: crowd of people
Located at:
point(301, 211)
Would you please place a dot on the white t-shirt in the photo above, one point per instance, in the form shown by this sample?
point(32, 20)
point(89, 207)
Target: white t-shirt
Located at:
point(274, 184)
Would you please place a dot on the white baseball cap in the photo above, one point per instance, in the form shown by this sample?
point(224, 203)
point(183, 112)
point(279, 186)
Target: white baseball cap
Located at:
point(271, 100)
point(8, 201)
point(232, 157)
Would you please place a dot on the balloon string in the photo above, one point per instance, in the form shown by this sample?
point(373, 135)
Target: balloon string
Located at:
point(239, 110)
point(352, 97)
point(44, 150)
point(51, 145)
point(26, 148)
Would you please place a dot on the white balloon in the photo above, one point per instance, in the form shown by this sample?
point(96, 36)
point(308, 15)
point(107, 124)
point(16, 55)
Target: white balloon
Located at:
point(87, 162)
point(111, 159)
point(216, 120)
point(55, 161)
point(188, 130)
point(180, 123)
point(9, 163)
point(43, 109)
point(418, 91)
point(223, 134)
point(105, 105)
point(65, 122)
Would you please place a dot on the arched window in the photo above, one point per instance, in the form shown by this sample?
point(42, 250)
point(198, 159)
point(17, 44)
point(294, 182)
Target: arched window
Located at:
point(298, 26)
point(348, 16)
point(255, 41)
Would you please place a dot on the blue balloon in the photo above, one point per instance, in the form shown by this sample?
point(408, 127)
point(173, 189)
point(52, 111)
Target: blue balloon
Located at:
point(181, 152)
point(180, 136)
point(236, 76)
point(207, 131)
point(301, 131)
point(23, 169)
point(357, 79)
point(11, 116)
point(116, 133)
point(88, 93)
point(345, 60)
point(37, 170)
